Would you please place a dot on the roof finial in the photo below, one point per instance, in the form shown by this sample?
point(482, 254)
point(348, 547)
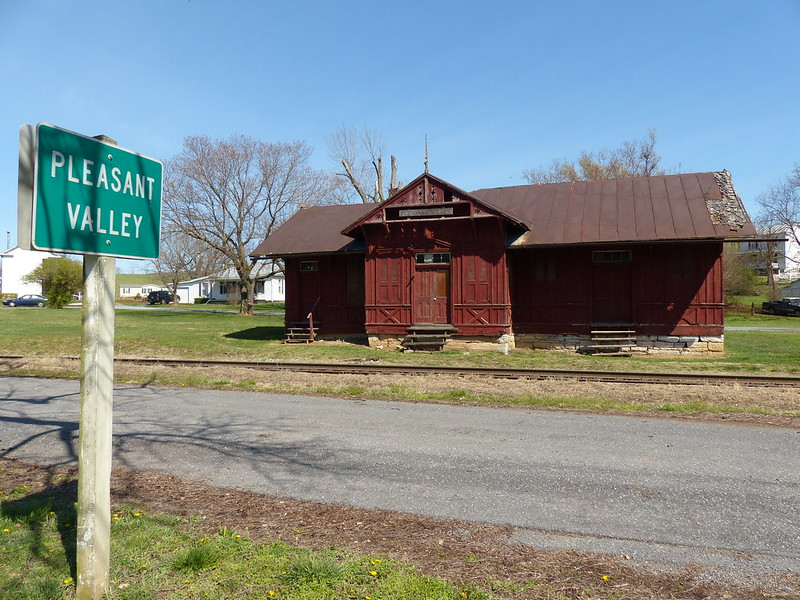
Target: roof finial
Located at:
point(426, 153)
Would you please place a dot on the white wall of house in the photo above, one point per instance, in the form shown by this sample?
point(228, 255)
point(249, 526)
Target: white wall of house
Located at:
point(189, 291)
point(272, 289)
point(218, 288)
point(786, 265)
point(138, 289)
point(16, 264)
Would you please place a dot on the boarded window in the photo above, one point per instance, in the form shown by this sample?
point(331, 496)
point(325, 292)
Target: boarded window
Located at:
point(611, 256)
point(355, 282)
point(433, 258)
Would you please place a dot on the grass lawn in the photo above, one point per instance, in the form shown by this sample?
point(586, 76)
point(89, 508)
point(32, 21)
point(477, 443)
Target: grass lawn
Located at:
point(45, 333)
point(221, 335)
point(166, 557)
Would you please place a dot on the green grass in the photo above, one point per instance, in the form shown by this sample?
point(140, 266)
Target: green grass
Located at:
point(229, 336)
point(195, 334)
point(165, 557)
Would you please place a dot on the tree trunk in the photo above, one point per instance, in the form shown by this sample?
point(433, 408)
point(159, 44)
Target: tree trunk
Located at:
point(354, 181)
point(246, 307)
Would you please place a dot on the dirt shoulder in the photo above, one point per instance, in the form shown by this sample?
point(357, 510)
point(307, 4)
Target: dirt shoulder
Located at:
point(732, 403)
point(478, 554)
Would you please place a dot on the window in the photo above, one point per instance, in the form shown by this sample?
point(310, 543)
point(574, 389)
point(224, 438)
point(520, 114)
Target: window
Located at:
point(433, 258)
point(224, 288)
point(309, 265)
point(611, 256)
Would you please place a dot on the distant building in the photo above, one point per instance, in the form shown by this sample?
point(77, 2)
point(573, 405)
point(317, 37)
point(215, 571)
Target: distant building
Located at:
point(16, 264)
point(219, 287)
point(786, 252)
point(268, 285)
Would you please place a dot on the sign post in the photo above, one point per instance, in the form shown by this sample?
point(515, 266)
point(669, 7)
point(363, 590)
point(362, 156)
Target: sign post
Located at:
point(94, 428)
point(88, 196)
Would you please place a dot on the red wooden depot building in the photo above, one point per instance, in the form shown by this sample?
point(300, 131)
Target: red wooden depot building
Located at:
point(627, 264)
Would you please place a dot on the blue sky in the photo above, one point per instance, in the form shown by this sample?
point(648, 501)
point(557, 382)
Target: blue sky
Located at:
point(496, 86)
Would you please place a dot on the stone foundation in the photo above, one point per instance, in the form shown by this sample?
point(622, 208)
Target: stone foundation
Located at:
point(645, 344)
point(502, 344)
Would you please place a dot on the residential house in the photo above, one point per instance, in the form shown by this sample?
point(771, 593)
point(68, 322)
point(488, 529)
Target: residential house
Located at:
point(15, 264)
point(785, 252)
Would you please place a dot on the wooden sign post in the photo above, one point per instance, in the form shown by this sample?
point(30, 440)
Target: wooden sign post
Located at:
point(82, 195)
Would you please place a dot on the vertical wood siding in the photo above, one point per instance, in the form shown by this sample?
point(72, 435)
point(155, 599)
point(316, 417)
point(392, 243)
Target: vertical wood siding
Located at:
point(675, 289)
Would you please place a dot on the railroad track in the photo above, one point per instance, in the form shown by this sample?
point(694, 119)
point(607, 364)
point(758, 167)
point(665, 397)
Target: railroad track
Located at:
point(497, 373)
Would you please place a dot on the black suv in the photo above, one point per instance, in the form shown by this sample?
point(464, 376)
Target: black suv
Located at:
point(160, 297)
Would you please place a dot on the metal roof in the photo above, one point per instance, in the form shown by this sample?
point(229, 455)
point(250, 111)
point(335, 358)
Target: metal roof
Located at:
point(668, 207)
point(693, 206)
point(314, 230)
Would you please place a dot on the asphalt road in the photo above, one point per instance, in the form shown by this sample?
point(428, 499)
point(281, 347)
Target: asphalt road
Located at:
point(661, 491)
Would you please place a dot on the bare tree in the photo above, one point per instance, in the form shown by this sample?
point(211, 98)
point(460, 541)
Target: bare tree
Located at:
point(780, 212)
point(231, 194)
point(361, 155)
point(637, 158)
point(182, 257)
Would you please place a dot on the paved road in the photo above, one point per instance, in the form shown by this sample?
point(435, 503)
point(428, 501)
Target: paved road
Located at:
point(664, 492)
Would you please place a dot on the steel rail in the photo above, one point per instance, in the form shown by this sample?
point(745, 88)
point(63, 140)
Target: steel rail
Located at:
point(496, 373)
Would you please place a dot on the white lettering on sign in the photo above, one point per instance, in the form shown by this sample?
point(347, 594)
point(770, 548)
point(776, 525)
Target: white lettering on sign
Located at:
point(84, 173)
point(426, 212)
point(103, 221)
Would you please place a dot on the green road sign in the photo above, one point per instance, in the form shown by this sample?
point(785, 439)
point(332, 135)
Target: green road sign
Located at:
point(91, 197)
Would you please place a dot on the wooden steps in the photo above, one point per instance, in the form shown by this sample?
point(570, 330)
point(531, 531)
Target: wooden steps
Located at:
point(300, 333)
point(612, 342)
point(428, 336)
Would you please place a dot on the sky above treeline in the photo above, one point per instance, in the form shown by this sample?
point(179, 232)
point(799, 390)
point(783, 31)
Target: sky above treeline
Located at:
point(497, 87)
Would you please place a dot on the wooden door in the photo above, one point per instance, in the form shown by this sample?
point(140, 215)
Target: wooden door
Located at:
point(310, 291)
point(432, 289)
point(612, 293)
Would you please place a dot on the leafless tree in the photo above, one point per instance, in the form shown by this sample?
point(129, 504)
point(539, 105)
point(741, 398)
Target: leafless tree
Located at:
point(231, 194)
point(637, 158)
point(780, 211)
point(182, 257)
point(361, 155)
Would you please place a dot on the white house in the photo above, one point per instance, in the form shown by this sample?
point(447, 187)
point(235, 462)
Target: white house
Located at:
point(15, 265)
point(268, 287)
point(220, 287)
point(132, 290)
point(191, 290)
point(786, 258)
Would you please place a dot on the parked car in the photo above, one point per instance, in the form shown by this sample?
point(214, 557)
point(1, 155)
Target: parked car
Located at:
point(26, 300)
point(787, 306)
point(161, 297)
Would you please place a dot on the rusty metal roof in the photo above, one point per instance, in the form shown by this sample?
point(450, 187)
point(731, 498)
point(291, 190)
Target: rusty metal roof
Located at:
point(669, 207)
point(314, 230)
point(693, 206)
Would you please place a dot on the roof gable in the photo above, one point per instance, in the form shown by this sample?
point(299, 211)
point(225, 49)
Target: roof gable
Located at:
point(429, 198)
